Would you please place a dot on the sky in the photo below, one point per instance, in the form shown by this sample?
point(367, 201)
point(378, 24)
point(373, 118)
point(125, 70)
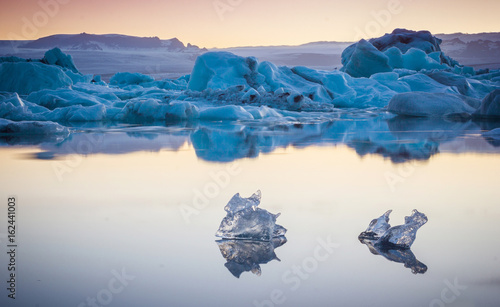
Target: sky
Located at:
point(230, 23)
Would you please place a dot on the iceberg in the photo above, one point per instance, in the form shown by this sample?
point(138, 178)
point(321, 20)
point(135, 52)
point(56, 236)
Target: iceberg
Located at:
point(431, 105)
point(8, 127)
point(403, 49)
point(247, 255)
point(245, 221)
point(405, 72)
point(365, 60)
point(57, 57)
point(123, 79)
point(490, 106)
point(25, 78)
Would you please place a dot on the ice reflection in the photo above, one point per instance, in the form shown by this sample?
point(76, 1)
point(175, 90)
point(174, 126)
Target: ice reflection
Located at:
point(396, 254)
point(394, 243)
point(248, 255)
point(399, 139)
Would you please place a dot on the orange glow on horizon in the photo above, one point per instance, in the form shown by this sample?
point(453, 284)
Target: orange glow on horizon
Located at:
point(229, 23)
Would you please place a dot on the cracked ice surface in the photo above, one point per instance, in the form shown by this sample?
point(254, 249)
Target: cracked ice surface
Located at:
point(245, 221)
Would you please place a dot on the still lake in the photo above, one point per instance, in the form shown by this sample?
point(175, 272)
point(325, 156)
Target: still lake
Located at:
point(126, 215)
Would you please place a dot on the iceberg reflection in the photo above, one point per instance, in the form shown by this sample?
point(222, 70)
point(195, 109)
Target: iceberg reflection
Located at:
point(250, 235)
point(397, 138)
point(248, 255)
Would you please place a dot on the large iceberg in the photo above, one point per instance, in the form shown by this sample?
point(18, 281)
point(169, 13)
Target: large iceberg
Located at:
point(402, 49)
point(55, 70)
point(245, 221)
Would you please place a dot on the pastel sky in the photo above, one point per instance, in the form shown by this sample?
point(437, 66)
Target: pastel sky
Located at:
point(225, 23)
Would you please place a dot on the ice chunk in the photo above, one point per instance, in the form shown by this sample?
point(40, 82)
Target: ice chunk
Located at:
point(490, 106)
point(52, 99)
point(403, 235)
point(181, 110)
point(57, 57)
point(364, 60)
point(430, 105)
point(420, 82)
point(222, 70)
point(405, 39)
point(416, 59)
point(8, 127)
point(377, 227)
point(465, 86)
point(123, 79)
point(246, 256)
point(225, 113)
point(27, 77)
point(147, 110)
point(245, 221)
point(238, 203)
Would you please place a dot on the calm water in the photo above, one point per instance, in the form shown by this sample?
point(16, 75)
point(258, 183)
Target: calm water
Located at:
point(143, 204)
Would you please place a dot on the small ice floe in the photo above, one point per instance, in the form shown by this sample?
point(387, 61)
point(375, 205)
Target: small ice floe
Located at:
point(394, 243)
point(245, 221)
point(401, 236)
point(249, 235)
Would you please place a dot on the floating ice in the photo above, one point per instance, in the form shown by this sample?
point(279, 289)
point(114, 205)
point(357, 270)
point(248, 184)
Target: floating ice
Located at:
point(123, 79)
point(8, 127)
point(246, 256)
point(57, 57)
point(394, 243)
point(431, 105)
point(398, 236)
point(365, 60)
point(377, 227)
point(490, 106)
point(24, 77)
point(401, 49)
point(224, 86)
point(245, 221)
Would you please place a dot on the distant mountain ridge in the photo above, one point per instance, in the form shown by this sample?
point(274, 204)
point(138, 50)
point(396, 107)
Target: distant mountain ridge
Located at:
point(85, 41)
point(466, 38)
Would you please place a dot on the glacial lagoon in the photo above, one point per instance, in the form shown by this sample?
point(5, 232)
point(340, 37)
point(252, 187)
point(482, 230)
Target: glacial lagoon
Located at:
point(127, 214)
